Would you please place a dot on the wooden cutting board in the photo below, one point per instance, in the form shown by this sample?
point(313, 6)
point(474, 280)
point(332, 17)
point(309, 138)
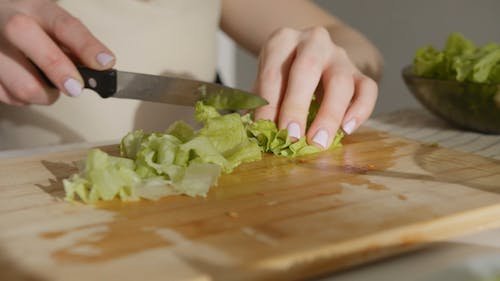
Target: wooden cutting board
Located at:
point(275, 219)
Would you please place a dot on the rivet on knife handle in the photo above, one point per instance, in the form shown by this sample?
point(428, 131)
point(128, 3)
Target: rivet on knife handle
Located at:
point(101, 81)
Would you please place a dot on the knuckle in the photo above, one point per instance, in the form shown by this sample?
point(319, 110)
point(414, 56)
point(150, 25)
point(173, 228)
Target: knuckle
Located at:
point(16, 23)
point(65, 23)
point(370, 85)
point(269, 75)
point(28, 92)
point(318, 32)
point(53, 62)
point(50, 99)
point(32, 5)
point(308, 63)
point(341, 52)
point(329, 118)
point(294, 109)
point(89, 44)
point(284, 32)
point(282, 37)
point(341, 78)
point(267, 112)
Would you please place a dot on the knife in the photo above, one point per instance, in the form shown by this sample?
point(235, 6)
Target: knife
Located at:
point(165, 89)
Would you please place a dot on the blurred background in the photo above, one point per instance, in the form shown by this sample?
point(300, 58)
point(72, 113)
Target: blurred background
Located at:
point(397, 28)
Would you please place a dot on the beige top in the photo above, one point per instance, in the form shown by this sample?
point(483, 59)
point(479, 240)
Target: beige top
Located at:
point(155, 36)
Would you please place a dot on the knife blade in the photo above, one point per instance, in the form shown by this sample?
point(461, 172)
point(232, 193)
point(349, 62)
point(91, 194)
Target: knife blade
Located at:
point(165, 89)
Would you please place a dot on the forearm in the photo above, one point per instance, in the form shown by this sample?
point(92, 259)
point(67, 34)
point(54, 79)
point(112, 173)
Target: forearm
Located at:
point(250, 23)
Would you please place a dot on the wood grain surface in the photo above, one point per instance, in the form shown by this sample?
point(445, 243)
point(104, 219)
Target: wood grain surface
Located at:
point(274, 219)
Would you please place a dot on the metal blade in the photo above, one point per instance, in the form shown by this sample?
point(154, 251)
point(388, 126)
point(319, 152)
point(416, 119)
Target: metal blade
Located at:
point(181, 91)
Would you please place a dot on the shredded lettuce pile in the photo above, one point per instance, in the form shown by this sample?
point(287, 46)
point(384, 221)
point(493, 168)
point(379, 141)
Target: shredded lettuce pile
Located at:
point(460, 60)
point(181, 160)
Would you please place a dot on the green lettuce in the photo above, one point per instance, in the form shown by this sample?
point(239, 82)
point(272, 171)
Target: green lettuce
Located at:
point(182, 160)
point(272, 140)
point(460, 60)
point(104, 177)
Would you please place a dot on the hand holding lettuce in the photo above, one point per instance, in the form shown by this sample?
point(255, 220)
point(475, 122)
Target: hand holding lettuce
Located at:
point(181, 161)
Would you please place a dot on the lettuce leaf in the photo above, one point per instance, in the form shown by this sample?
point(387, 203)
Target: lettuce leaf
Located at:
point(104, 177)
point(181, 160)
point(460, 60)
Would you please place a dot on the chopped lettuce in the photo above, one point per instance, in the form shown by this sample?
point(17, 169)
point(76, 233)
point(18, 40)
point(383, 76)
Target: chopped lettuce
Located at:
point(104, 177)
point(181, 160)
point(460, 60)
point(272, 140)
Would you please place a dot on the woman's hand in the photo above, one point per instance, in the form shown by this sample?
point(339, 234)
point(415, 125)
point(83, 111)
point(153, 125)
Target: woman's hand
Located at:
point(42, 33)
point(293, 65)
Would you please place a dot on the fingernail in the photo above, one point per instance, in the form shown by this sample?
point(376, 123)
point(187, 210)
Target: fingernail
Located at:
point(104, 59)
point(73, 87)
point(349, 126)
point(321, 138)
point(293, 130)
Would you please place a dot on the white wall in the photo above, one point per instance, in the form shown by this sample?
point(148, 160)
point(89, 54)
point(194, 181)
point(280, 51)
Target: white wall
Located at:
point(398, 28)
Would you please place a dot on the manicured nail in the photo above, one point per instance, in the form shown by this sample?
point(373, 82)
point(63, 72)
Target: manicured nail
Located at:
point(321, 138)
point(73, 87)
point(349, 126)
point(294, 130)
point(104, 59)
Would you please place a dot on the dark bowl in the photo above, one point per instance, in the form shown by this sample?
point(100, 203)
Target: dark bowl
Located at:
point(470, 106)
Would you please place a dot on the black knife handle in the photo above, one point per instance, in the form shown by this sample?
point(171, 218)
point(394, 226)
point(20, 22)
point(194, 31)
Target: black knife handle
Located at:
point(103, 82)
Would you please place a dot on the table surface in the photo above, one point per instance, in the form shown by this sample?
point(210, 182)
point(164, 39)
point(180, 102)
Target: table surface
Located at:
point(418, 125)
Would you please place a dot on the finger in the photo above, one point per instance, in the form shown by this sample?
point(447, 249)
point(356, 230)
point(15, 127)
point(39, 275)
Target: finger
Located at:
point(339, 90)
point(25, 34)
point(363, 104)
point(71, 33)
point(8, 99)
point(304, 77)
point(274, 64)
point(4, 96)
point(21, 81)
